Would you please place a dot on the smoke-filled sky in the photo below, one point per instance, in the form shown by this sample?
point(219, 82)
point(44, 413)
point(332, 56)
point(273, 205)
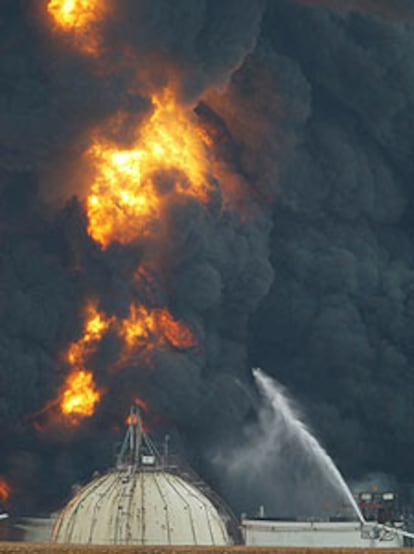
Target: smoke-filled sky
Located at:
point(288, 245)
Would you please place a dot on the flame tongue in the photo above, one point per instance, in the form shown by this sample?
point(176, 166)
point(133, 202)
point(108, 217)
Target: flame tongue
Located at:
point(71, 14)
point(154, 328)
point(80, 395)
point(143, 329)
point(175, 332)
point(138, 329)
point(124, 202)
point(78, 17)
point(126, 197)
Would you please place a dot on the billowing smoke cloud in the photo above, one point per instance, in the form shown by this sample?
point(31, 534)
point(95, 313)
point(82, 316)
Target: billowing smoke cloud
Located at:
point(335, 327)
point(209, 264)
point(50, 95)
point(398, 10)
point(204, 41)
point(310, 113)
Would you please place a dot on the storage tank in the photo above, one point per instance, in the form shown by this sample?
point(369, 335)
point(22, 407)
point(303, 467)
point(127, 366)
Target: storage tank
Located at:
point(140, 502)
point(321, 534)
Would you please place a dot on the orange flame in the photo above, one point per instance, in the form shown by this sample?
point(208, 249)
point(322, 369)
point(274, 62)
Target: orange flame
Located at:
point(143, 406)
point(125, 200)
point(138, 329)
point(170, 154)
point(145, 329)
point(95, 326)
point(175, 332)
point(5, 490)
point(130, 419)
point(78, 17)
point(80, 395)
point(148, 420)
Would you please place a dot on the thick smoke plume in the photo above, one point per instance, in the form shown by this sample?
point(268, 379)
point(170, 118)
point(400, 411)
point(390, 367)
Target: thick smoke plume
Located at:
point(337, 322)
point(397, 10)
point(305, 109)
point(97, 314)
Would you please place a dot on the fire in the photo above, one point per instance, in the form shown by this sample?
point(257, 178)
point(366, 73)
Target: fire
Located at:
point(148, 420)
point(138, 329)
point(175, 332)
point(125, 198)
point(78, 17)
point(95, 326)
point(71, 14)
point(144, 408)
point(120, 197)
point(80, 395)
point(5, 490)
point(145, 329)
point(130, 419)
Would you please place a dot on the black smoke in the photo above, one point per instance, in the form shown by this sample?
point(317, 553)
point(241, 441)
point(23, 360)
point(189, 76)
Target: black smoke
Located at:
point(310, 110)
point(398, 10)
point(203, 41)
point(207, 265)
point(336, 326)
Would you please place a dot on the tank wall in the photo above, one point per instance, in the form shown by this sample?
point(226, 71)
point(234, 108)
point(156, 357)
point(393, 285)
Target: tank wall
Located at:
point(144, 507)
point(312, 534)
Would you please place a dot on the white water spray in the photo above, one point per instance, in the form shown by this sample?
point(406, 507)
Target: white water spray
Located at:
point(280, 404)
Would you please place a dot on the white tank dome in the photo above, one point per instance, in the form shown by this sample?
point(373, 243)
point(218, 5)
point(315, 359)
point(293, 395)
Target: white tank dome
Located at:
point(140, 507)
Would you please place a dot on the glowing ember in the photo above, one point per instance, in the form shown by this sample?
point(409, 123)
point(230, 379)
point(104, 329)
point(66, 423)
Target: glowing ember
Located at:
point(5, 490)
point(80, 395)
point(124, 202)
point(78, 16)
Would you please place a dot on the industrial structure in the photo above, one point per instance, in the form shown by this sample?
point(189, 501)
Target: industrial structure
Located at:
point(141, 501)
point(380, 526)
point(261, 532)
